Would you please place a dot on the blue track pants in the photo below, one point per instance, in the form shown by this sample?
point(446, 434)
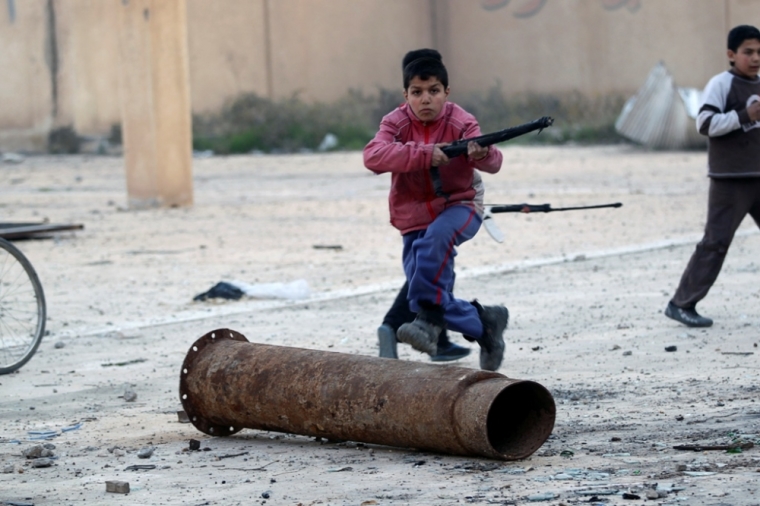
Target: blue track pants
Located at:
point(429, 266)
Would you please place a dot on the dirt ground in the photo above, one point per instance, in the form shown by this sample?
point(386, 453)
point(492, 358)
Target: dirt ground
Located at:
point(585, 289)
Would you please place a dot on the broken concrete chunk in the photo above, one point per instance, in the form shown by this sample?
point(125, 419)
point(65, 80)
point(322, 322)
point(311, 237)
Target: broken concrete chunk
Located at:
point(117, 487)
point(36, 452)
point(145, 453)
point(42, 462)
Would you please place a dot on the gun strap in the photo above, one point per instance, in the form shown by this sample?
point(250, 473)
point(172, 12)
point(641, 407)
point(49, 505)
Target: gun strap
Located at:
point(435, 175)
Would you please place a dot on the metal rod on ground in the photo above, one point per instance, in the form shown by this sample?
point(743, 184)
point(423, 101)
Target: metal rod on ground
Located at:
point(228, 384)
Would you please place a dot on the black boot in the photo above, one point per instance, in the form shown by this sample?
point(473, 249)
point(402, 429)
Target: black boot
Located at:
point(422, 333)
point(495, 320)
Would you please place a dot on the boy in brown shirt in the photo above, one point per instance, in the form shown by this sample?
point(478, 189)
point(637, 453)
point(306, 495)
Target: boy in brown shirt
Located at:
point(730, 117)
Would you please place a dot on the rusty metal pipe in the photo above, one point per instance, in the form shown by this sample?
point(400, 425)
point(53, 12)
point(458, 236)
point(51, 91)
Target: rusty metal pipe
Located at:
point(227, 384)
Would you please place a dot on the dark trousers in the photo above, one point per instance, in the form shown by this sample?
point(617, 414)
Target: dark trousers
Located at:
point(399, 313)
point(729, 201)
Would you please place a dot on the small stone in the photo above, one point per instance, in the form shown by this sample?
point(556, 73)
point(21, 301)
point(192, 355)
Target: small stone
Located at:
point(34, 452)
point(195, 445)
point(9, 468)
point(58, 345)
point(652, 494)
point(182, 416)
point(627, 353)
point(671, 348)
point(546, 496)
point(130, 396)
point(42, 462)
point(117, 487)
point(145, 453)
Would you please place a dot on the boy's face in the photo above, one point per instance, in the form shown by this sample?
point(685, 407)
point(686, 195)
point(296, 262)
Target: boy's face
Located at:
point(746, 58)
point(426, 98)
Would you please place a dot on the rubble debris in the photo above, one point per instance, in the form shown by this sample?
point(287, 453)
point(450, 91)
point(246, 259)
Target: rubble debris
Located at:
point(702, 448)
point(140, 467)
point(145, 453)
point(235, 290)
point(662, 115)
point(36, 452)
point(14, 158)
point(117, 487)
point(544, 496)
point(42, 462)
point(128, 362)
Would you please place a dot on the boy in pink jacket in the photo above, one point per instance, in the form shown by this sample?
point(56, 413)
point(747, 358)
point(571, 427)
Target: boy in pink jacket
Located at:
point(433, 223)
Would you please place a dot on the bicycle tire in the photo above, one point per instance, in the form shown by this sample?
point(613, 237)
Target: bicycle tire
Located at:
point(22, 309)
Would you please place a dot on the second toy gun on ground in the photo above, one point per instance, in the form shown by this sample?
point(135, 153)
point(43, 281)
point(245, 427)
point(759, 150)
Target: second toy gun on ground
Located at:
point(458, 148)
point(491, 209)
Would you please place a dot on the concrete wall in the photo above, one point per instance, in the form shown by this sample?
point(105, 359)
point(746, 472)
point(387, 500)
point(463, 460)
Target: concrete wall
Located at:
point(60, 58)
point(26, 94)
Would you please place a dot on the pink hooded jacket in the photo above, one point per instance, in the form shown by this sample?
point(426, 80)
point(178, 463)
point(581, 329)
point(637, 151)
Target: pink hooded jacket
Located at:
point(404, 147)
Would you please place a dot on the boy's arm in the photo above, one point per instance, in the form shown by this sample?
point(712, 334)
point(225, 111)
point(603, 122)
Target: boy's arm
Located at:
point(385, 154)
point(491, 163)
point(712, 121)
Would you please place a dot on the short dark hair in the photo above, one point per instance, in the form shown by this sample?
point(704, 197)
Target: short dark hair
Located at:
point(424, 63)
point(739, 34)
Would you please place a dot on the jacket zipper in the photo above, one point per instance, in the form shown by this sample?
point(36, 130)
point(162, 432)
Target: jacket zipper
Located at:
point(431, 187)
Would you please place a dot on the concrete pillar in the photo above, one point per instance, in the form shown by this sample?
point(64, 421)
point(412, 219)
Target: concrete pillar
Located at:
point(155, 103)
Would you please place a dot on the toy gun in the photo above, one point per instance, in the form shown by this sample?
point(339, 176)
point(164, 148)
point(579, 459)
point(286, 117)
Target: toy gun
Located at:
point(491, 209)
point(459, 147)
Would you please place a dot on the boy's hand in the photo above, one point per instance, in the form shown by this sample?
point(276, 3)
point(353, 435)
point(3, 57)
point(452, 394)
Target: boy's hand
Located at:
point(754, 111)
point(439, 158)
point(475, 151)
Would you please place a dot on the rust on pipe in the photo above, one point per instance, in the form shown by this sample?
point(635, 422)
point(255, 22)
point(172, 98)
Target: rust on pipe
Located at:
point(228, 384)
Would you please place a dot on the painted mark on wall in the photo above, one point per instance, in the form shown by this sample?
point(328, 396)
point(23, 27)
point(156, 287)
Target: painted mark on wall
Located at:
point(529, 8)
point(613, 5)
point(12, 10)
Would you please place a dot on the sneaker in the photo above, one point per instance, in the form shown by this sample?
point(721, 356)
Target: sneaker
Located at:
point(449, 352)
point(387, 339)
point(687, 316)
point(495, 320)
point(422, 333)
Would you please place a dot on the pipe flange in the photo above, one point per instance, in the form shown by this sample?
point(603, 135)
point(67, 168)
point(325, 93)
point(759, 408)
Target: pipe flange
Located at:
point(185, 395)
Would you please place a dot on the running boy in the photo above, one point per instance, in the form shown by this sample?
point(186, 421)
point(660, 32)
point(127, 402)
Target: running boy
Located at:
point(730, 117)
point(434, 223)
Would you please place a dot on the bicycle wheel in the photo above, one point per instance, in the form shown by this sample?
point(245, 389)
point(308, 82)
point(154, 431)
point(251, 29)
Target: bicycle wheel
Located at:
point(22, 309)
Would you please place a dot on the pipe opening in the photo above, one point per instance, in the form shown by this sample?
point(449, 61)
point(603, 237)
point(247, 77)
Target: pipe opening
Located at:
point(520, 419)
